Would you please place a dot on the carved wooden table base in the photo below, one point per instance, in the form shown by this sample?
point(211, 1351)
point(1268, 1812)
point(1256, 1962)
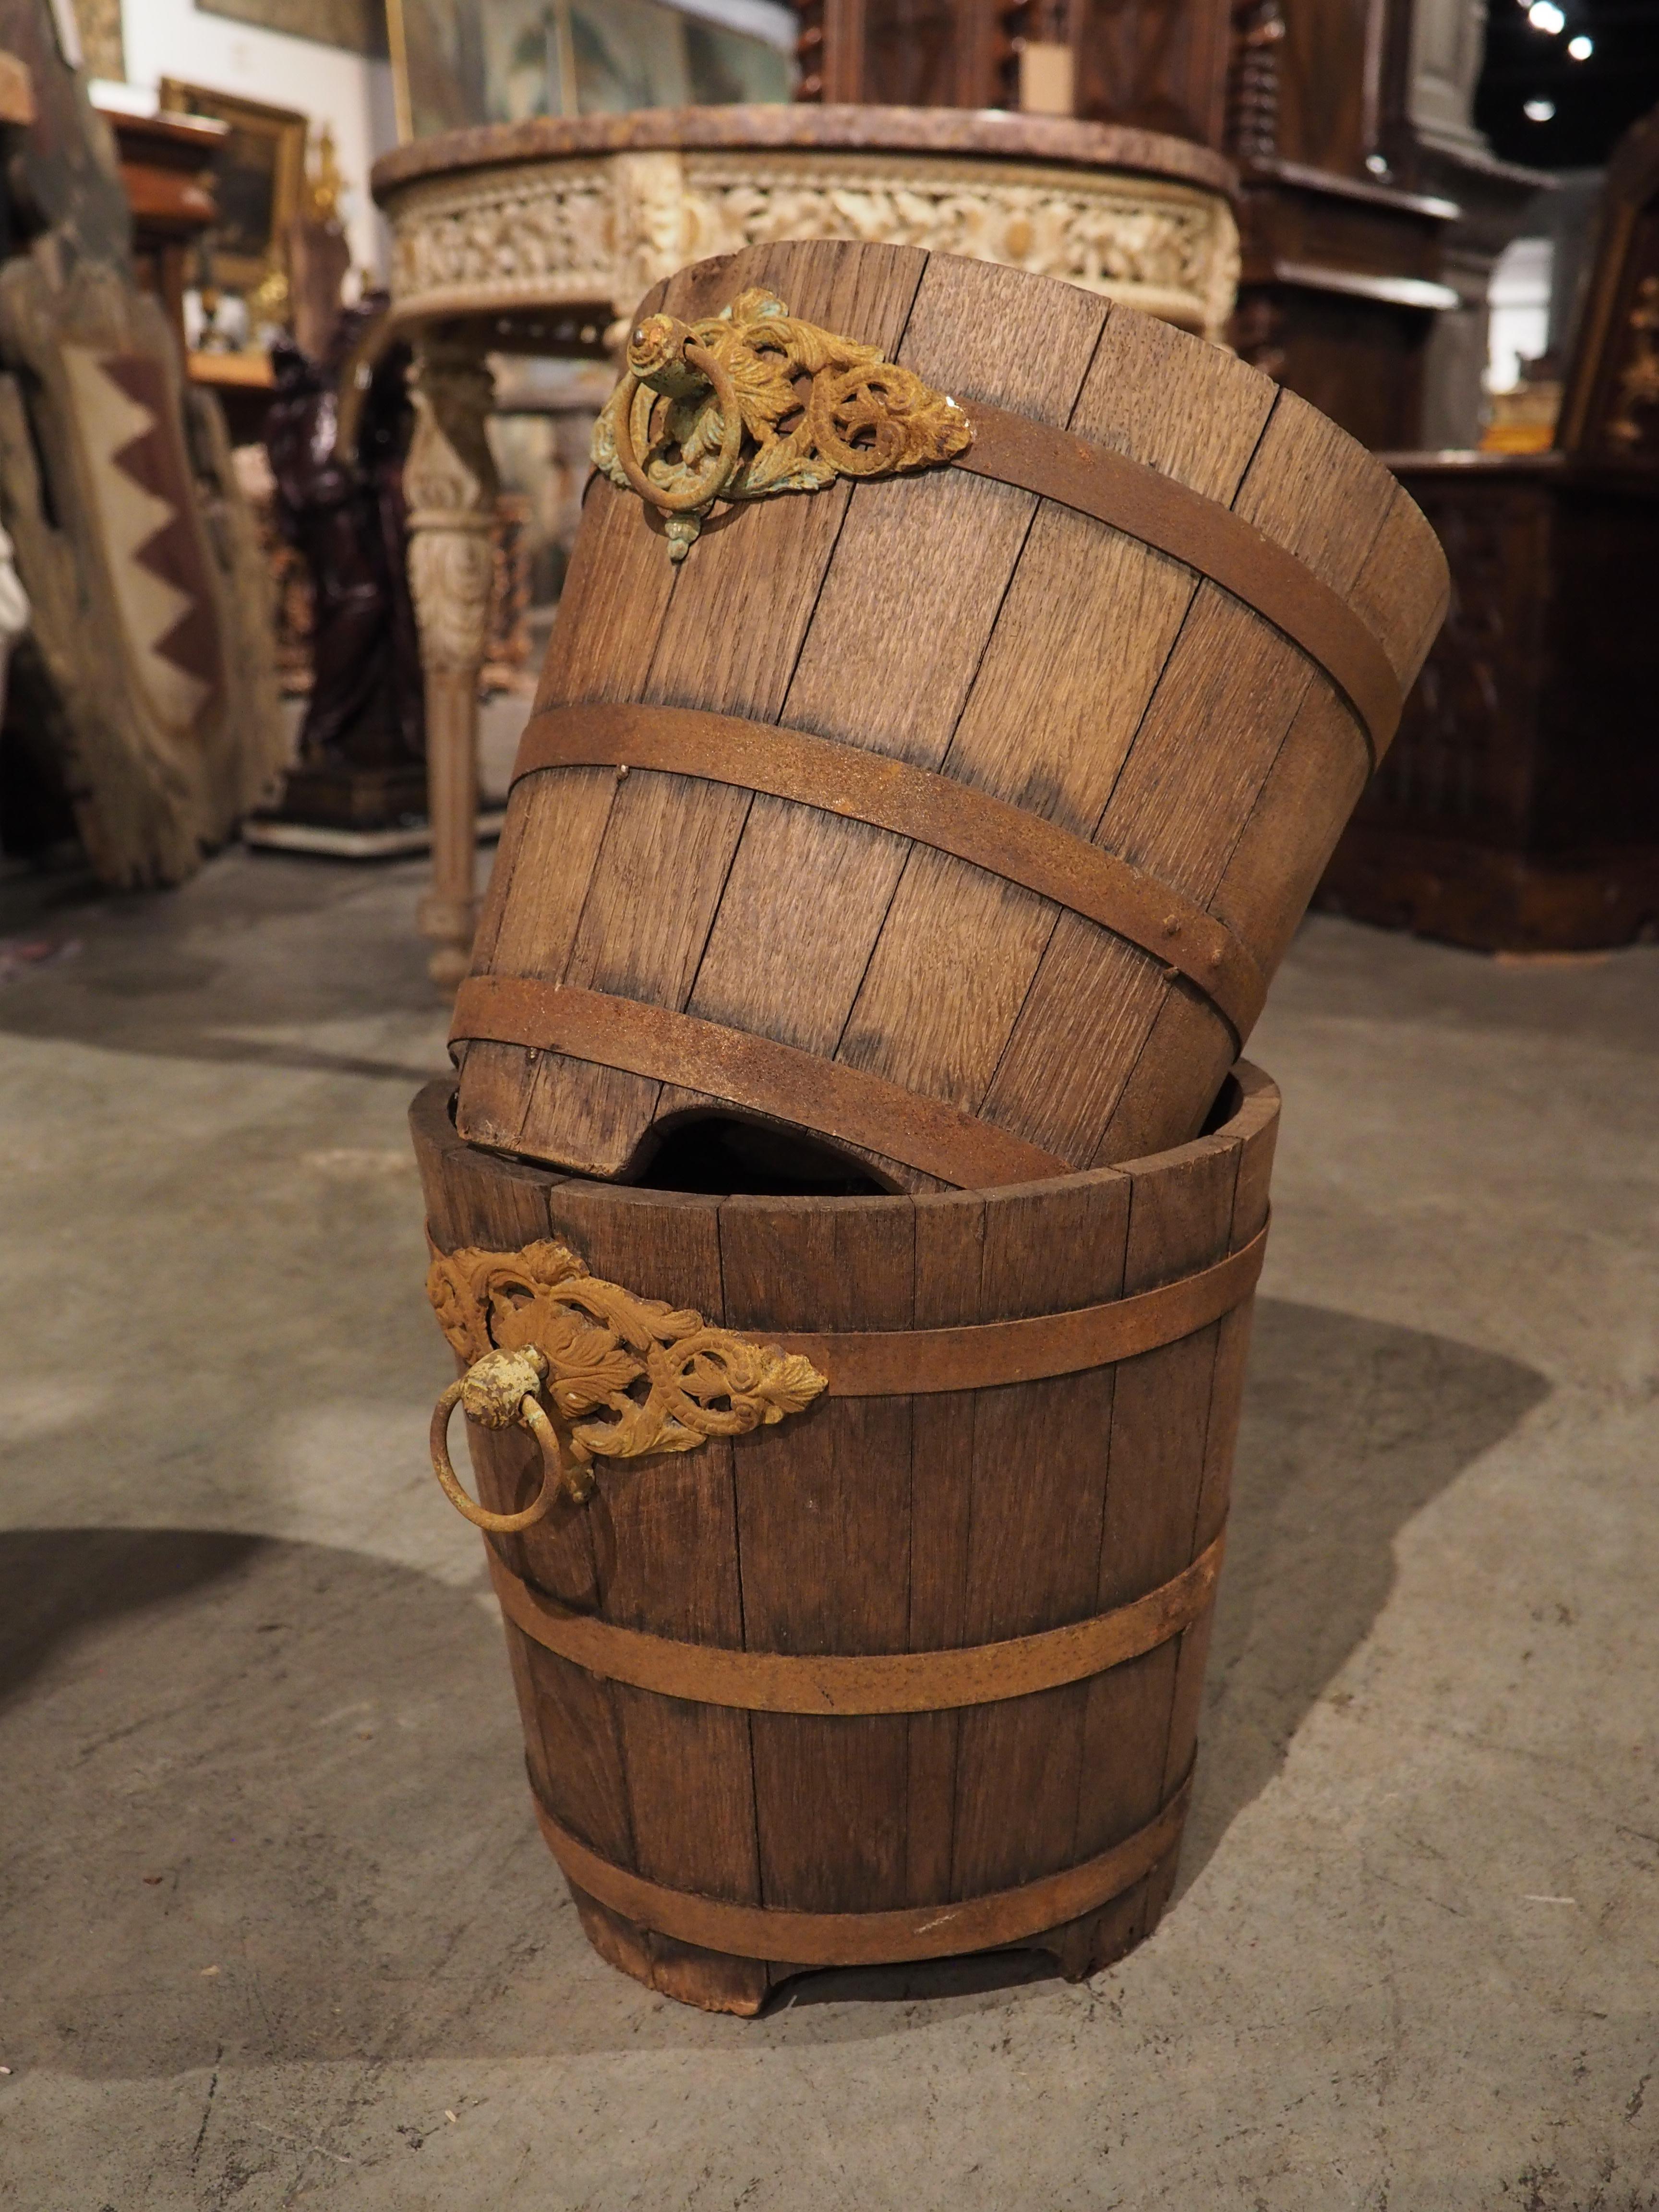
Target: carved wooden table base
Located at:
point(449, 483)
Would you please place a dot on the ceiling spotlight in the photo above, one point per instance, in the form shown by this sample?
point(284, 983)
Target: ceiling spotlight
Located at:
point(1580, 48)
point(1545, 16)
point(1539, 110)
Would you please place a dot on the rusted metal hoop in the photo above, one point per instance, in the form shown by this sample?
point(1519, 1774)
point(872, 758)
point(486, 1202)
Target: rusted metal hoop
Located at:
point(869, 1939)
point(530, 1416)
point(912, 802)
point(846, 1683)
point(701, 496)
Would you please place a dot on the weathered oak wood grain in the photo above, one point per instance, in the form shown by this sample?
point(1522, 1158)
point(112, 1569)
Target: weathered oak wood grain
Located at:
point(975, 630)
point(920, 1522)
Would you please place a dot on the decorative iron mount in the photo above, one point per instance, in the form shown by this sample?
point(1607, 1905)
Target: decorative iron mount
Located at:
point(622, 1377)
point(699, 413)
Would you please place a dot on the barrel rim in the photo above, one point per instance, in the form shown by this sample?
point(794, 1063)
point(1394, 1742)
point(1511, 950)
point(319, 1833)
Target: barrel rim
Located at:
point(1249, 1097)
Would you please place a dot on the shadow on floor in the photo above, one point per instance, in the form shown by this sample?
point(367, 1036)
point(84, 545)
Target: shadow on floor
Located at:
point(302, 1767)
point(55, 1584)
point(175, 973)
point(1351, 1427)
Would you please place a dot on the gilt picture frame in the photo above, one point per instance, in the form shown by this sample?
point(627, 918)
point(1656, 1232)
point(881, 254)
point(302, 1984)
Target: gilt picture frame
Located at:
point(260, 177)
point(455, 63)
point(356, 26)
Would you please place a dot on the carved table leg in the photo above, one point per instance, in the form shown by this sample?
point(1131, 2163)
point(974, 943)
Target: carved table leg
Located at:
point(449, 483)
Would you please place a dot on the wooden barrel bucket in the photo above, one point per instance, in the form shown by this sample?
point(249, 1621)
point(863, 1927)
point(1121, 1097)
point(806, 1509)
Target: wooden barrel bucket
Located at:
point(915, 1671)
point(960, 817)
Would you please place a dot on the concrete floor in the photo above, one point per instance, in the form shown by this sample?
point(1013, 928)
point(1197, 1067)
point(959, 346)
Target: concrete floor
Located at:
point(277, 1928)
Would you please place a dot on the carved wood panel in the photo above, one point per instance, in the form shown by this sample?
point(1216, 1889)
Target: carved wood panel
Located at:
point(1618, 419)
point(1151, 63)
point(580, 229)
point(1329, 69)
point(1462, 758)
point(1519, 807)
point(1148, 62)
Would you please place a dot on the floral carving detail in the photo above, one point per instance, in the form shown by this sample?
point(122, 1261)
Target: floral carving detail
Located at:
point(667, 430)
point(506, 233)
point(1099, 242)
point(580, 230)
point(450, 485)
point(626, 1375)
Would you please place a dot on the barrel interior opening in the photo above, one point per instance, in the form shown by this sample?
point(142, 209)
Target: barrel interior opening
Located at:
point(1225, 1105)
point(720, 1156)
point(916, 1981)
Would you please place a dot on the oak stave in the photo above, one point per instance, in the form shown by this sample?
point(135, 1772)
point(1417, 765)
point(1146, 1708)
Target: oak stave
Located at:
point(937, 1523)
point(979, 634)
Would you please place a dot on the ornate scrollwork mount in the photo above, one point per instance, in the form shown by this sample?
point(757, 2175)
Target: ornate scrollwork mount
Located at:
point(755, 401)
point(1638, 377)
point(622, 1377)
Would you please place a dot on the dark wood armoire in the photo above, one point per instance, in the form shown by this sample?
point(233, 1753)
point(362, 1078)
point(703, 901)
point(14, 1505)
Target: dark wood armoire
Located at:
point(1519, 806)
point(1161, 65)
point(1372, 208)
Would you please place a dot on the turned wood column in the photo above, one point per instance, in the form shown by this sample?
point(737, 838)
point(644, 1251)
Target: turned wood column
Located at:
point(449, 483)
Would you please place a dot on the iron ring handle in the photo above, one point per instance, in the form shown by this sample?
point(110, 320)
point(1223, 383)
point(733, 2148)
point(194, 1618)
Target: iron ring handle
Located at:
point(500, 1391)
point(702, 496)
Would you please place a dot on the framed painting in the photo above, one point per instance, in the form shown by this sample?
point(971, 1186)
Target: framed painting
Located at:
point(260, 176)
point(359, 26)
point(102, 53)
point(457, 63)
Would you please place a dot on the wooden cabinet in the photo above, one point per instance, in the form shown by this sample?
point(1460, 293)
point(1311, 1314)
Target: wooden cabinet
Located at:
point(1519, 807)
point(1344, 289)
point(1159, 64)
point(1371, 207)
point(1148, 62)
point(1340, 293)
point(167, 171)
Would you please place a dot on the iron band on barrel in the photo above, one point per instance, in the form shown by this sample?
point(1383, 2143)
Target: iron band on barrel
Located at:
point(872, 1682)
point(900, 1362)
point(870, 1939)
point(1205, 535)
point(952, 817)
point(735, 1066)
point(983, 1355)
